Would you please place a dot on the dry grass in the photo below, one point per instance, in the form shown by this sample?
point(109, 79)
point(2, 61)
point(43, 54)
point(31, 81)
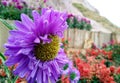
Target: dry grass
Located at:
point(95, 16)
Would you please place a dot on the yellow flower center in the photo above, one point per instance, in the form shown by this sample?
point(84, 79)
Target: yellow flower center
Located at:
point(48, 51)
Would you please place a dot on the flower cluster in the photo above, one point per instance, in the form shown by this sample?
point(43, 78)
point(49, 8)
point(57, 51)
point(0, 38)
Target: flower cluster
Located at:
point(78, 22)
point(99, 52)
point(37, 4)
point(70, 73)
point(12, 9)
point(96, 65)
point(16, 3)
point(83, 68)
point(90, 70)
point(113, 47)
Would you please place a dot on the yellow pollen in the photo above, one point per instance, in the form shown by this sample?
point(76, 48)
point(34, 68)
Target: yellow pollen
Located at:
point(48, 51)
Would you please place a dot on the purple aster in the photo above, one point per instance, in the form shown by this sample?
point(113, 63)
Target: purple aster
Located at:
point(67, 68)
point(34, 46)
point(71, 72)
point(74, 75)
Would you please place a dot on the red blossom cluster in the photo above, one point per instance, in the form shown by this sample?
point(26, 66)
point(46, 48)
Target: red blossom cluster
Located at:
point(83, 67)
point(90, 66)
point(96, 52)
point(103, 73)
point(89, 70)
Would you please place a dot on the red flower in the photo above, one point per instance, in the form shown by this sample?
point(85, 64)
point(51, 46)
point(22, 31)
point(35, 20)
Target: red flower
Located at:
point(0, 62)
point(110, 55)
point(65, 79)
point(118, 70)
point(2, 73)
point(21, 80)
point(112, 69)
point(83, 67)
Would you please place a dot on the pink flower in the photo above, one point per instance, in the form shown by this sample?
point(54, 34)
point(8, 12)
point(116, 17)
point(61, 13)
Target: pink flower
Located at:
point(45, 1)
point(4, 3)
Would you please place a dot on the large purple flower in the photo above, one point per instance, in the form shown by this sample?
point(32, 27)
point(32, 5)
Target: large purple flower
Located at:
point(34, 46)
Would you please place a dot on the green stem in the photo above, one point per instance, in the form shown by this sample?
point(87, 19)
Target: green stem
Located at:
point(2, 57)
point(14, 80)
point(10, 27)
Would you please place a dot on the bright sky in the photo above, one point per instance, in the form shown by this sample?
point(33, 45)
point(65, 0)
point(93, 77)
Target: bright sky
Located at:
point(109, 9)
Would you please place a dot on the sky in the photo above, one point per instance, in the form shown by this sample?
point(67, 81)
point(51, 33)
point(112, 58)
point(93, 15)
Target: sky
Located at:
point(109, 9)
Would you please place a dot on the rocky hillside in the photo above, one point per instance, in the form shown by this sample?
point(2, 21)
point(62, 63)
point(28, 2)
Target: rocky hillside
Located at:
point(83, 8)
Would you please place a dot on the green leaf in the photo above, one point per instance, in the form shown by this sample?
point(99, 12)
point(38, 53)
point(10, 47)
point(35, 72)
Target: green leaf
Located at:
point(14, 80)
point(2, 57)
point(5, 68)
point(117, 78)
point(7, 73)
point(82, 81)
point(9, 26)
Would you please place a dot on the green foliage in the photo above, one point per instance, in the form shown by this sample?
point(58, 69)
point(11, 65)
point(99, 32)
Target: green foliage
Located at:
point(59, 81)
point(108, 63)
point(12, 13)
point(2, 57)
point(117, 78)
point(115, 48)
point(74, 23)
point(70, 23)
point(82, 81)
point(95, 80)
point(9, 77)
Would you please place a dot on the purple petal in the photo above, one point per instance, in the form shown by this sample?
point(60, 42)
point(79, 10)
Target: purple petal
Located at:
point(17, 33)
point(25, 51)
point(45, 39)
point(35, 15)
point(23, 63)
point(23, 72)
point(31, 65)
point(11, 52)
point(52, 79)
point(12, 46)
point(27, 21)
point(13, 60)
point(44, 76)
point(39, 76)
point(44, 10)
point(37, 40)
point(20, 26)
